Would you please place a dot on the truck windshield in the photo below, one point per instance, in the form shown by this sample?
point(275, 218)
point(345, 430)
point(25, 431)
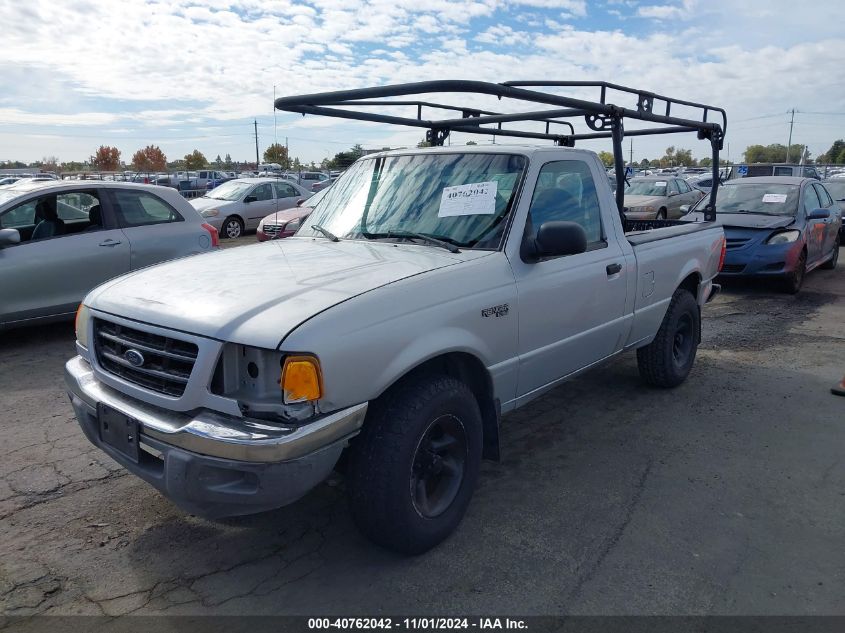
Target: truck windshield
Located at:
point(758, 198)
point(462, 199)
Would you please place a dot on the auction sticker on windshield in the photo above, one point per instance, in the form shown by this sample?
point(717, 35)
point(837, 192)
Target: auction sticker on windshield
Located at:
point(774, 197)
point(478, 198)
point(660, 183)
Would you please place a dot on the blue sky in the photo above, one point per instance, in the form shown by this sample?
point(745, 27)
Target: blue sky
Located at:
point(186, 74)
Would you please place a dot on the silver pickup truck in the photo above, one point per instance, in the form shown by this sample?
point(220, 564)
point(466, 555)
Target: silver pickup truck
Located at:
point(431, 291)
point(366, 335)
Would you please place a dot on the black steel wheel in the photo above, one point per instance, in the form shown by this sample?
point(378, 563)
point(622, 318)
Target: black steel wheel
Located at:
point(412, 469)
point(668, 359)
point(439, 466)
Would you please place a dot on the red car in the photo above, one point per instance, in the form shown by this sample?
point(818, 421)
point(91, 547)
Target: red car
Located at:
point(287, 222)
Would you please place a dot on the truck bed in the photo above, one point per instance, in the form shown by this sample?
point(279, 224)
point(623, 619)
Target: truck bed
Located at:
point(643, 231)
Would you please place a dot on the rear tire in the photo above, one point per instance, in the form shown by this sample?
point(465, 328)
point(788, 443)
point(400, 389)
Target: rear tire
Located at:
point(667, 360)
point(413, 467)
point(834, 257)
point(232, 228)
point(793, 281)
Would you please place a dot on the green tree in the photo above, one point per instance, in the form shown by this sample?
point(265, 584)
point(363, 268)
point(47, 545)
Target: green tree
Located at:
point(423, 144)
point(106, 158)
point(774, 153)
point(684, 157)
point(227, 162)
point(606, 158)
point(195, 160)
point(471, 143)
point(218, 162)
point(277, 153)
point(836, 153)
point(706, 162)
point(151, 158)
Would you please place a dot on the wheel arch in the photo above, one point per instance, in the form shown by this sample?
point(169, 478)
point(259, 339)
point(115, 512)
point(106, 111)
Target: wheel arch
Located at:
point(692, 284)
point(469, 369)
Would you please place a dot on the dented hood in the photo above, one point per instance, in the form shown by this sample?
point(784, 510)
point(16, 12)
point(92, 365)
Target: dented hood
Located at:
point(257, 294)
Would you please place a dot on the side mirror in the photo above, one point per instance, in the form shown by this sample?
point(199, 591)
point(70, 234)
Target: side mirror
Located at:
point(9, 237)
point(673, 193)
point(819, 214)
point(685, 209)
point(249, 199)
point(556, 239)
point(300, 201)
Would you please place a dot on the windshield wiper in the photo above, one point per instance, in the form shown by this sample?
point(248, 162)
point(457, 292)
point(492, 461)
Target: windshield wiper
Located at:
point(331, 236)
point(749, 212)
point(422, 236)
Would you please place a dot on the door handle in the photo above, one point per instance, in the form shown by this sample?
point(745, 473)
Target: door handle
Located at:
point(110, 243)
point(612, 269)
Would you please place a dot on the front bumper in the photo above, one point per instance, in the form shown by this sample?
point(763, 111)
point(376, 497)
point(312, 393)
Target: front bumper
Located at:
point(212, 464)
point(762, 260)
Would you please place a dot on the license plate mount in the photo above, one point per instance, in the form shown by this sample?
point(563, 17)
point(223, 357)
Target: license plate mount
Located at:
point(119, 431)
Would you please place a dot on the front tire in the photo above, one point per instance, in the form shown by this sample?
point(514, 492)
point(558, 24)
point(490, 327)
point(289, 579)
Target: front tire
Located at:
point(793, 281)
point(834, 257)
point(232, 228)
point(413, 467)
point(661, 214)
point(667, 360)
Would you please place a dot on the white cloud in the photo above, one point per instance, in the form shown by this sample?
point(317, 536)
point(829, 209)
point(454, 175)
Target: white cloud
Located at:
point(187, 65)
point(668, 11)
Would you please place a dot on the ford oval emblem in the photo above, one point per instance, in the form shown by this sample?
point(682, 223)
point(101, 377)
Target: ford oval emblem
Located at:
point(134, 357)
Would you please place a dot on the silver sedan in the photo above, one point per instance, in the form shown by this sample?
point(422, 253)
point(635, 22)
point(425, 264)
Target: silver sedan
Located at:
point(58, 240)
point(239, 205)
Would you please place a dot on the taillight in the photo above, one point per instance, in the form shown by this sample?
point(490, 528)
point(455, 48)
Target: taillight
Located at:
point(722, 254)
point(215, 236)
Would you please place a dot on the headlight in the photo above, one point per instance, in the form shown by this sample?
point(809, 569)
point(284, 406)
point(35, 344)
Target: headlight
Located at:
point(301, 380)
point(210, 213)
point(784, 237)
point(293, 225)
point(81, 325)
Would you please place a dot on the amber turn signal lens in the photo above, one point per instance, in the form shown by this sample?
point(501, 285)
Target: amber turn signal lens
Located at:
point(301, 379)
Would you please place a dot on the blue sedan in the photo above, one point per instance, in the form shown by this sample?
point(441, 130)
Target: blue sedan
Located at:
point(776, 227)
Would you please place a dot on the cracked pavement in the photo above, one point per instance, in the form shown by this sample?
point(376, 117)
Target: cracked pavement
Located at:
point(723, 496)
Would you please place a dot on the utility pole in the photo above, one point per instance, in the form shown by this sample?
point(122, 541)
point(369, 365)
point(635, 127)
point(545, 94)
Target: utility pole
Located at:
point(631, 162)
point(789, 144)
point(287, 153)
point(275, 137)
point(257, 162)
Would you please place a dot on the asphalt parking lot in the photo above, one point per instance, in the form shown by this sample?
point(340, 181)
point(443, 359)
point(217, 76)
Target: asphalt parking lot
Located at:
point(724, 496)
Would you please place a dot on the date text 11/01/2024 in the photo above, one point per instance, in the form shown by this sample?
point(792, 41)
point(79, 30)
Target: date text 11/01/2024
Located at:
point(431, 623)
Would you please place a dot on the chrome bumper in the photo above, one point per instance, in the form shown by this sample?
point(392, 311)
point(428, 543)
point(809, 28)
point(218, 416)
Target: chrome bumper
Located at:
point(215, 434)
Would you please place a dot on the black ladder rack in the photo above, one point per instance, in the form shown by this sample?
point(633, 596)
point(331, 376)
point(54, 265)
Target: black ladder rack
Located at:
point(604, 119)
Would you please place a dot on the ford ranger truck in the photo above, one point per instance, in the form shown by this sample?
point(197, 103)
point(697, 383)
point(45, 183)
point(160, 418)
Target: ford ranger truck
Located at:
point(432, 291)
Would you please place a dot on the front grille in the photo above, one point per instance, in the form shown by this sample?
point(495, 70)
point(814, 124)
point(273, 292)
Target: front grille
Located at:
point(733, 268)
point(272, 229)
point(736, 242)
point(167, 362)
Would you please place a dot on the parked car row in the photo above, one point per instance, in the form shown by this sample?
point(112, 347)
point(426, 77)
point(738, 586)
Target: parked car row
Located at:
point(239, 205)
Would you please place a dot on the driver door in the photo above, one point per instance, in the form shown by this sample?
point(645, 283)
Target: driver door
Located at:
point(264, 204)
point(815, 228)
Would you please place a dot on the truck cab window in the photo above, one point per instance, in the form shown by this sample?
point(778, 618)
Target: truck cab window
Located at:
point(566, 191)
